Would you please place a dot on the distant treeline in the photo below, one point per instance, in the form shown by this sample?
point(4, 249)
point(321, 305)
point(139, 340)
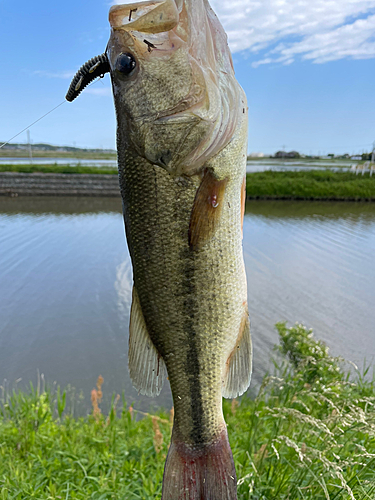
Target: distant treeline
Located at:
point(49, 147)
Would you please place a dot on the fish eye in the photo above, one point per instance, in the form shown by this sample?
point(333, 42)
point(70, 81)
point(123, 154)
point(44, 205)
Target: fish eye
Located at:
point(125, 64)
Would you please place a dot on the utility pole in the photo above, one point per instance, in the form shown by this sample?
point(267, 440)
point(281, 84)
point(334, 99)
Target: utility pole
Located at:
point(373, 152)
point(29, 143)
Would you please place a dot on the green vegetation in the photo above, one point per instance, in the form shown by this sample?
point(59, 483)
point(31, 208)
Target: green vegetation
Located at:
point(303, 185)
point(308, 435)
point(310, 185)
point(57, 169)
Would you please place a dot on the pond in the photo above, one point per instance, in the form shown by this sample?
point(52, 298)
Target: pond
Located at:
point(66, 279)
point(252, 166)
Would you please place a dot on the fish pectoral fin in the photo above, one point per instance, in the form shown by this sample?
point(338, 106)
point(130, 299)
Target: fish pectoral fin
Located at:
point(146, 366)
point(239, 364)
point(206, 210)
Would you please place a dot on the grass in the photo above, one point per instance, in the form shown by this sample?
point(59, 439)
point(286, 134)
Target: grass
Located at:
point(58, 169)
point(310, 185)
point(309, 434)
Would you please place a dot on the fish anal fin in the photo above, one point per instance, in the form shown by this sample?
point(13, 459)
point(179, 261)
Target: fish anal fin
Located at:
point(146, 367)
point(239, 365)
point(206, 210)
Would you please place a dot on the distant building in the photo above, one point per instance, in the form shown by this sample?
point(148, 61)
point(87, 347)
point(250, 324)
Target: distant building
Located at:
point(256, 155)
point(356, 157)
point(284, 154)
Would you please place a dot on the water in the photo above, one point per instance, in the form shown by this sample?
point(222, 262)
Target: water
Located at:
point(73, 162)
point(252, 166)
point(298, 165)
point(65, 286)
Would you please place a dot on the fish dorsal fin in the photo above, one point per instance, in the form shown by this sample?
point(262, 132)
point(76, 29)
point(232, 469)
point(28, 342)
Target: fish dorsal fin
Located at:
point(146, 366)
point(239, 364)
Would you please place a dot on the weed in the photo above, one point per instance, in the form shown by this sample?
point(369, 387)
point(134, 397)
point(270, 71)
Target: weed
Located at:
point(308, 435)
point(310, 185)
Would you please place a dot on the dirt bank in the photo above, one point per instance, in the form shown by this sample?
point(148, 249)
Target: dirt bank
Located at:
point(38, 184)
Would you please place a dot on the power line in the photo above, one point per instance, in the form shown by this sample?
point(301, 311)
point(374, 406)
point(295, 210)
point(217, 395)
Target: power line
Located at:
point(41, 118)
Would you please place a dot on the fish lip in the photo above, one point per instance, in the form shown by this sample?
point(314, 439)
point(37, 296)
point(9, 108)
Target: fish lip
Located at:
point(150, 16)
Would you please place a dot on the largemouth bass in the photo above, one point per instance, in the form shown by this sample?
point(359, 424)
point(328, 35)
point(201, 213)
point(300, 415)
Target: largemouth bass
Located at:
point(182, 146)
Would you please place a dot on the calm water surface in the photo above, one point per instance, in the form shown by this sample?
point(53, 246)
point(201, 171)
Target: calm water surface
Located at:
point(65, 286)
point(252, 166)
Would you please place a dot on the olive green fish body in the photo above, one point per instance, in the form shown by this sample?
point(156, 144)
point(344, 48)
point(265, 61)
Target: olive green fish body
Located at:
point(182, 143)
point(193, 300)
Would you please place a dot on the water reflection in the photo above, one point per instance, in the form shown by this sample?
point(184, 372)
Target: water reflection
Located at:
point(312, 262)
point(65, 285)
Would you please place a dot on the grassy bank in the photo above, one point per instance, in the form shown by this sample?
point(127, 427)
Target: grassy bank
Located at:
point(307, 185)
point(309, 434)
point(310, 185)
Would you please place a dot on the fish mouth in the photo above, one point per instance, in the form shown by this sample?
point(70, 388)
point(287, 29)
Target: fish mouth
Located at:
point(159, 30)
point(155, 16)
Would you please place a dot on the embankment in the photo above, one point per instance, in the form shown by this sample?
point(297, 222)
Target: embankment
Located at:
point(310, 185)
point(53, 180)
point(51, 184)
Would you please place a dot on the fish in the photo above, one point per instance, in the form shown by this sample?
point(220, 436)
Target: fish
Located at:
point(182, 147)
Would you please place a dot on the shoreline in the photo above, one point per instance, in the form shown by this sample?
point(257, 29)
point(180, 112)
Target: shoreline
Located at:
point(323, 185)
point(14, 184)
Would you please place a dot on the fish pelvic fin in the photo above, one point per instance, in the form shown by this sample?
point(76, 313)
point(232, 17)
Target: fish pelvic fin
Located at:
point(206, 473)
point(207, 208)
point(146, 366)
point(239, 365)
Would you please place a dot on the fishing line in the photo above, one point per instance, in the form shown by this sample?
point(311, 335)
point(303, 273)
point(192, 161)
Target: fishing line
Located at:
point(41, 118)
point(36, 121)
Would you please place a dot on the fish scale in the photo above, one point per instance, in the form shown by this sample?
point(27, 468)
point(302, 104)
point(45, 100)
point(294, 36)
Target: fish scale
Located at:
point(191, 301)
point(182, 144)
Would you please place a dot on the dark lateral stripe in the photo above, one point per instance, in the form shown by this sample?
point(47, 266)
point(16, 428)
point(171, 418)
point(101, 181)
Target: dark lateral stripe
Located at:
point(192, 361)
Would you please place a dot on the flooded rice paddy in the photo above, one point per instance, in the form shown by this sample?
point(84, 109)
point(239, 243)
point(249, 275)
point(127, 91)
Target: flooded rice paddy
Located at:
point(66, 279)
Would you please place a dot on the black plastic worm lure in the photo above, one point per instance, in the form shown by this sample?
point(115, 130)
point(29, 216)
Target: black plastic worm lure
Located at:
point(92, 69)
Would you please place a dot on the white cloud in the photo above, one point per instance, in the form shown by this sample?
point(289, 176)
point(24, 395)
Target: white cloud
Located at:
point(316, 30)
point(354, 40)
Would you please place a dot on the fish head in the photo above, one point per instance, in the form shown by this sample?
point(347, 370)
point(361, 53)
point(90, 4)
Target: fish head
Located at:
point(176, 97)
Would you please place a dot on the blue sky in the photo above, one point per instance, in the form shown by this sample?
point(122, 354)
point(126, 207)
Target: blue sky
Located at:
point(308, 69)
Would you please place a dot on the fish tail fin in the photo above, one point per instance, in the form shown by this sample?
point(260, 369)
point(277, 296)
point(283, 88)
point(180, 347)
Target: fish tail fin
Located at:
point(204, 474)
